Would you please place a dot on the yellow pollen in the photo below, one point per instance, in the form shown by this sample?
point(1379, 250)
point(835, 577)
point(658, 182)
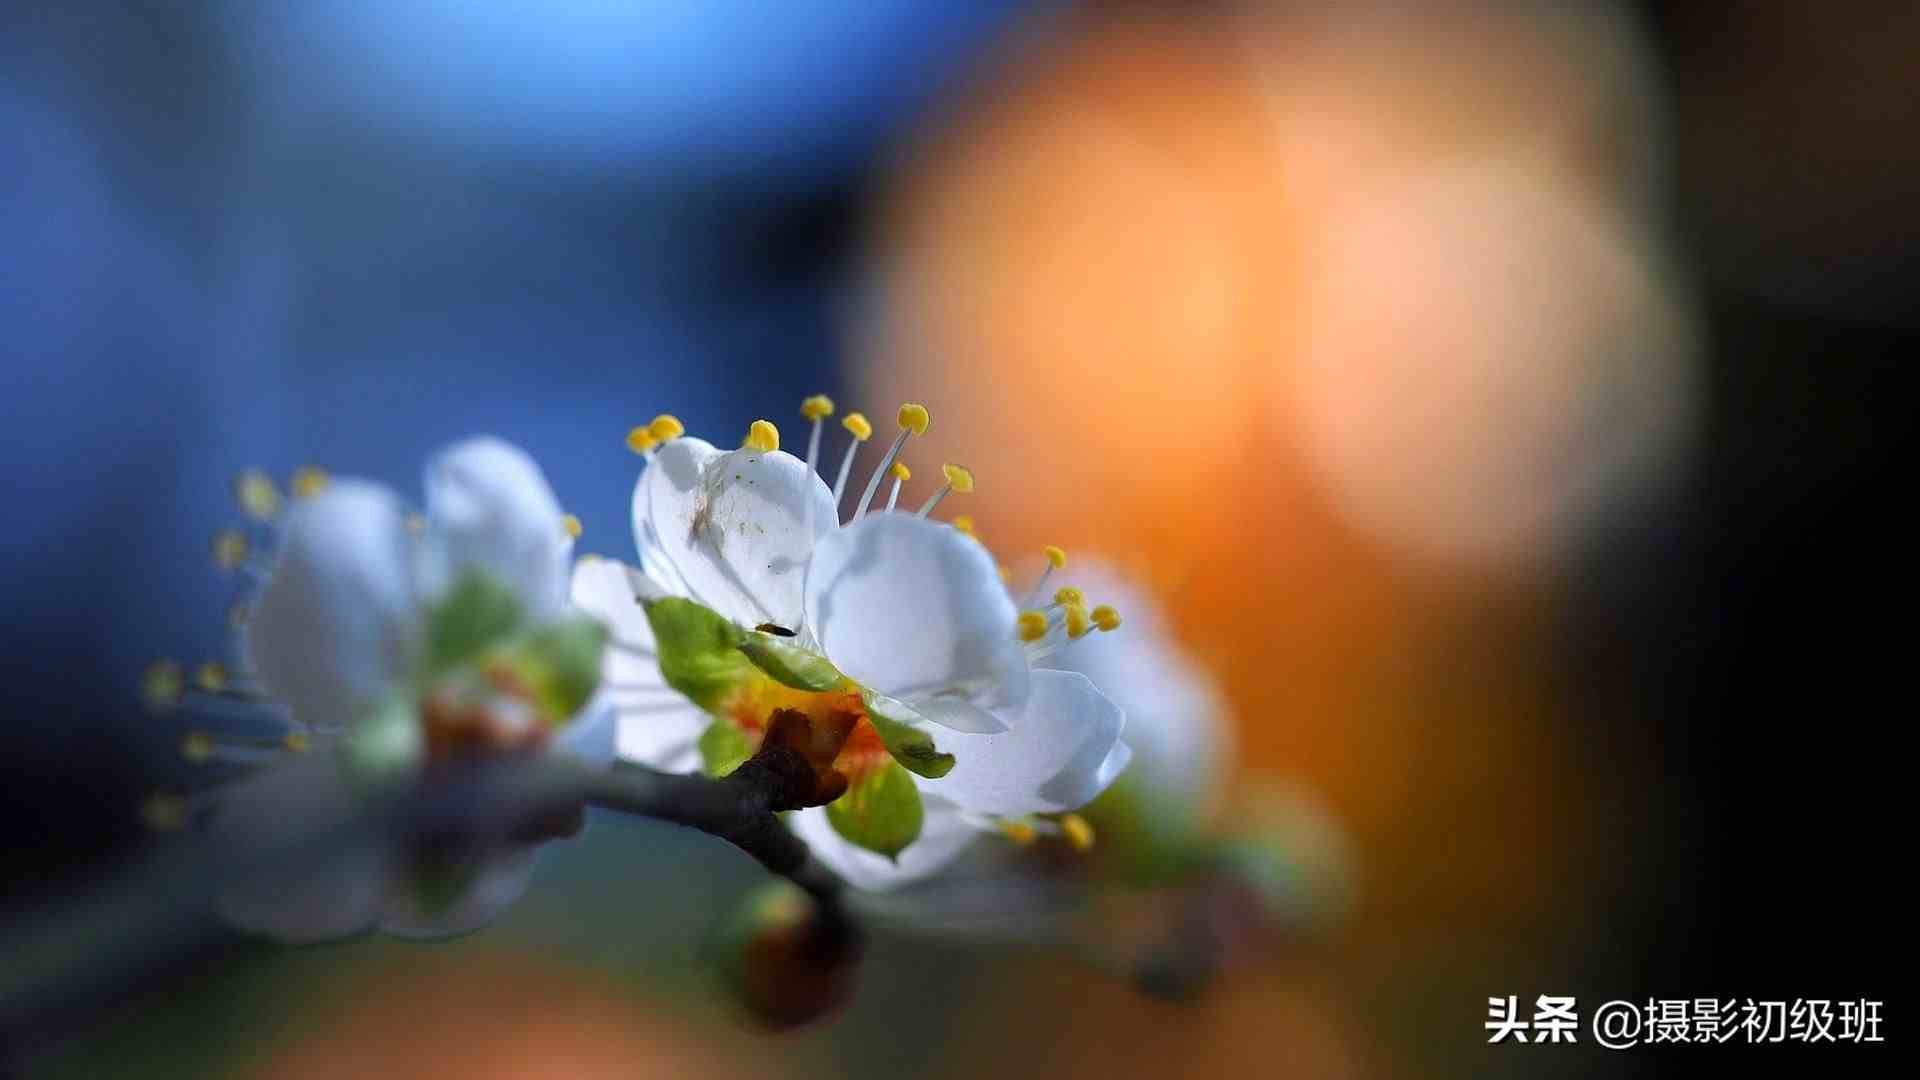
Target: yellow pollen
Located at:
point(196, 746)
point(900, 472)
point(211, 677)
point(857, 426)
point(229, 549)
point(1006, 574)
point(762, 436)
point(1077, 831)
point(1032, 625)
point(817, 407)
point(308, 481)
point(570, 525)
point(666, 427)
point(164, 811)
point(257, 496)
point(914, 418)
point(297, 741)
point(161, 684)
point(1070, 596)
point(964, 523)
point(1019, 832)
point(1106, 618)
point(1056, 557)
point(415, 523)
point(959, 477)
point(640, 440)
point(1078, 623)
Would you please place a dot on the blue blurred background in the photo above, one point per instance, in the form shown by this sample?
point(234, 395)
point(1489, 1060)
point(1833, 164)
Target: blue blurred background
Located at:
point(346, 234)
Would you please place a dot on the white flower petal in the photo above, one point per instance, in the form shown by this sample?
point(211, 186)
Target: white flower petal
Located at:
point(602, 589)
point(943, 835)
point(654, 725)
point(961, 715)
point(489, 507)
point(291, 896)
point(335, 625)
point(912, 607)
point(1059, 755)
point(737, 528)
point(500, 881)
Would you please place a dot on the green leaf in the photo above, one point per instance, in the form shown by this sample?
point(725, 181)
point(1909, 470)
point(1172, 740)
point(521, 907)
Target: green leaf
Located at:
point(474, 615)
point(790, 665)
point(559, 663)
point(880, 812)
point(699, 650)
point(904, 732)
point(723, 748)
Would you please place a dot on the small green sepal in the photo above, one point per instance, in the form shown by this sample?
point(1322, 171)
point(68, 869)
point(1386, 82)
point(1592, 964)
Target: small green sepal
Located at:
point(699, 650)
point(723, 748)
point(790, 665)
point(880, 812)
point(904, 732)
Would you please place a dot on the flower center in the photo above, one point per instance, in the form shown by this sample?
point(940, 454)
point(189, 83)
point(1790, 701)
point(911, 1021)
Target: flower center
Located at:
point(838, 729)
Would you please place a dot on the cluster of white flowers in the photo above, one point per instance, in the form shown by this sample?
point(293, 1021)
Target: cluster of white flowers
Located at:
point(889, 640)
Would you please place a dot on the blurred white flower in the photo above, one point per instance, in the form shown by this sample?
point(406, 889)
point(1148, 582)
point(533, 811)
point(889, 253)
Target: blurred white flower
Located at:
point(399, 641)
point(1177, 722)
point(893, 633)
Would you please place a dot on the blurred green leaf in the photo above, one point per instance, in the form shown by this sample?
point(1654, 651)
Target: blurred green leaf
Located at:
point(474, 615)
point(559, 663)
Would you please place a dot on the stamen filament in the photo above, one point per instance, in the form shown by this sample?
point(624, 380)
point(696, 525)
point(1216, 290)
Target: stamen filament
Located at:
point(873, 483)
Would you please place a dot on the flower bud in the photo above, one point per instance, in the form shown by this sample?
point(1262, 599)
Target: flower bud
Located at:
point(785, 957)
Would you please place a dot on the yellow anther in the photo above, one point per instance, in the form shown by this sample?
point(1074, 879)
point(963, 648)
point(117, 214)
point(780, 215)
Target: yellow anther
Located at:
point(900, 472)
point(161, 685)
point(297, 741)
point(761, 436)
point(257, 496)
point(1032, 625)
point(229, 548)
point(210, 677)
point(1069, 596)
point(164, 811)
point(857, 426)
point(914, 418)
point(640, 440)
point(570, 525)
point(196, 746)
point(417, 523)
point(1006, 573)
point(1106, 618)
point(1077, 831)
point(666, 427)
point(959, 477)
point(1078, 622)
point(308, 481)
point(1056, 557)
point(964, 523)
point(817, 407)
point(1019, 832)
